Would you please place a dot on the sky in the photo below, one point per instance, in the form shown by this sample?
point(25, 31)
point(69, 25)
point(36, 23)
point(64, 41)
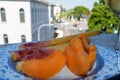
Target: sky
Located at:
point(68, 4)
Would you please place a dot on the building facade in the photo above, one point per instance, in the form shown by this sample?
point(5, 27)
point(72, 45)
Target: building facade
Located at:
point(20, 20)
point(57, 11)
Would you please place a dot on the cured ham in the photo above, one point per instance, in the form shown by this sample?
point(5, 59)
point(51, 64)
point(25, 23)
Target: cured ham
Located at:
point(29, 53)
point(34, 44)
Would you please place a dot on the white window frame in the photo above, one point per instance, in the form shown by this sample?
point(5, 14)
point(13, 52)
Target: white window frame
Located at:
point(23, 38)
point(22, 15)
point(5, 38)
point(3, 14)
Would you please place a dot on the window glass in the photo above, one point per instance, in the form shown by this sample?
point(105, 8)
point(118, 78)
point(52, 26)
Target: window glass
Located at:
point(32, 15)
point(23, 38)
point(35, 15)
point(5, 37)
point(3, 16)
point(22, 15)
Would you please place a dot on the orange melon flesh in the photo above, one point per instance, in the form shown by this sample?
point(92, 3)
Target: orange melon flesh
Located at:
point(92, 55)
point(77, 46)
point(78, 64)
point(44, 68)
point(77, 59)
point(80, 56)
point(85, 42)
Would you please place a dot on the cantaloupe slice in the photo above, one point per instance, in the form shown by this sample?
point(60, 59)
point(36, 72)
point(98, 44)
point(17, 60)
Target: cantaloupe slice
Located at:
point(85, 41)
point(92, 55)
point(44, 68)
point(77, 59)
point(80, 56)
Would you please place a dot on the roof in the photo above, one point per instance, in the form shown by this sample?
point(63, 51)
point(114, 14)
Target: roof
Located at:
point(55, 5)
point(38, 1)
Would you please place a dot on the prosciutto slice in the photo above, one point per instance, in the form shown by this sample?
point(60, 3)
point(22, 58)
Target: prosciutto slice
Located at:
point(30, 53)
point(35, 44)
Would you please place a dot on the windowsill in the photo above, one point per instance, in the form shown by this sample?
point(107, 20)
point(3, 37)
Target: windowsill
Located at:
point(22, 22)
point(3, 22)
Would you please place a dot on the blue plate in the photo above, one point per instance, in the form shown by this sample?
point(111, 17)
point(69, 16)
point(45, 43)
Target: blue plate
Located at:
point(99, 63)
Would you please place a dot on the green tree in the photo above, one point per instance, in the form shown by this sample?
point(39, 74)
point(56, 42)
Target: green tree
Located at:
point(69, 13)
point(102, 16)
point(102, 2)
point(79, 10)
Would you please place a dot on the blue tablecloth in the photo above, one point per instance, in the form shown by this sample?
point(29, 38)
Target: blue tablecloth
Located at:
point(109, 69)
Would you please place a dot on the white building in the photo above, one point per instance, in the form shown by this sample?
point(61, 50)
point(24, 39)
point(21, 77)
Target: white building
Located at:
point(55, 11)
point(20, 19)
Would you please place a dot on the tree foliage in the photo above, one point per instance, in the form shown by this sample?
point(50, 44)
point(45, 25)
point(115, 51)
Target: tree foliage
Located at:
point(102, 16)
point(77, 12)
point(102, 2)
point(69, 13)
